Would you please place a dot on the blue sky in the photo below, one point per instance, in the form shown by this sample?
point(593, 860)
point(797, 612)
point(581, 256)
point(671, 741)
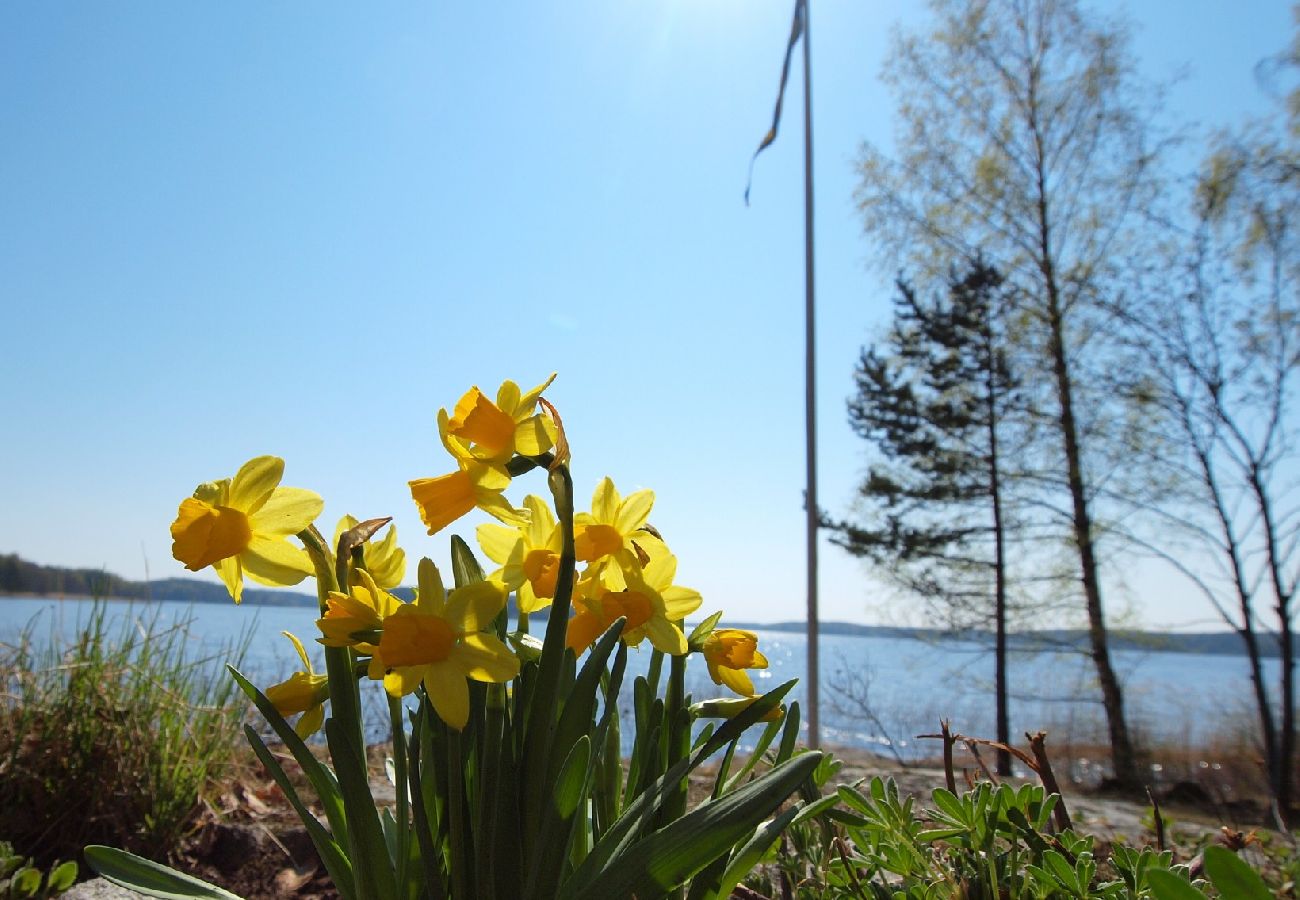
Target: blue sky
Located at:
point(235, 229)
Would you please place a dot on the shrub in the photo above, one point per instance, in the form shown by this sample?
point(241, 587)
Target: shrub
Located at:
point(113, 736)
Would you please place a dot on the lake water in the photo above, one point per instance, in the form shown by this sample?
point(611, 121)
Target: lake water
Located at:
point(906, 685)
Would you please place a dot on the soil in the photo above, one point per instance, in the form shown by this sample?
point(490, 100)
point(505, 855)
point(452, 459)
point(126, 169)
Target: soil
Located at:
point(251, 843)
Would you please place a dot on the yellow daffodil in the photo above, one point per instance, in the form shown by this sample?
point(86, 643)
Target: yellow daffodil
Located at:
point(647, 597)
point(529, 556)
point(445, 499)
point(352, 619)
point(613, 522)
point(481, 430)
point(241, 526)
point(437, 640)
point(728, 652)
point(304, 692)
point(385, 561)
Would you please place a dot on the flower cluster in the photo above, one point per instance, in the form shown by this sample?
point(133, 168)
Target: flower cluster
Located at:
point(443, 638)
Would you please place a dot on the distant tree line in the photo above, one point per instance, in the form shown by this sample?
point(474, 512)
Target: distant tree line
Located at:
point(19, 576)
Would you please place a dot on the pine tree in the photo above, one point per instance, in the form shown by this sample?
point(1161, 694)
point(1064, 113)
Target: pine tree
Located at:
point(931, 403)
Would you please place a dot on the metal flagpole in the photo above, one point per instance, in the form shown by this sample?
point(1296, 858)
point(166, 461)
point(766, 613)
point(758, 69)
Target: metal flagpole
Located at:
point(810, 395)
point(799, 28)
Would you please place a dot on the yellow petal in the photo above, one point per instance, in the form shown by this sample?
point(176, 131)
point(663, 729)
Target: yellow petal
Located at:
point(497, 541)
point(604, 501)
point(543, 530)
point(203, 534)
point(485, 658)
point(231, 573)
point(449, 693)
point(508, 399)
point(403, 680)
point(385, 560)
point(274, 561)
point(665, 636)
point(302, 651)
point(593, 542)
point(496, 506)
point(680, 602)
point(287, 511)
point(474, 606)
point(253, 483)
point(529, 400)
point(432, 596)
point(444, 499)
point(481, 422)
point(534, 436)
point(583, 630)
point(310, 722)
point(412, 639)
point(634, 511)
point(736, 679)
point(528, 601)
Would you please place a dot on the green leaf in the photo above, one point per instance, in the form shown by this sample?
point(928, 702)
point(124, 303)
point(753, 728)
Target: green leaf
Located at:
point(573, 777)
point(1233, 877)
point(62, 877)
point(743, 861)
point(1165, 885)
point(951, 806)
point(26, 882)
point(150, 878)
point(666, 858)
point(464, 567)
point(704, 629)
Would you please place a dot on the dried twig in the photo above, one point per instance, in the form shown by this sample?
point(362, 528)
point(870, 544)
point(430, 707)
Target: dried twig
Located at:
point(1159, 820)
point(945, 735)
point(1038, 744)
point(973, 746)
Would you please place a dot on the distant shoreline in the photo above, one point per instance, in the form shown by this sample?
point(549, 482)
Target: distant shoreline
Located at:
point(1217, 643)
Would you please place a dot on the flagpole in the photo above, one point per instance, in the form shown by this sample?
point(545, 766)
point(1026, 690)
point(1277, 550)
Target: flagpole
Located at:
point(810, 394)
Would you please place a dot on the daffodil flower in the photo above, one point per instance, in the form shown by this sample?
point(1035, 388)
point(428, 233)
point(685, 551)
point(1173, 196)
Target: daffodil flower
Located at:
point(437, 641)
point(481, 430)
point(242, 525)
point(304, 692)
point(385, 561)
point(355, 618)
point(613, 522)
point(529, 555)
point(728, 652)
point(651, 603)
point(445, 499)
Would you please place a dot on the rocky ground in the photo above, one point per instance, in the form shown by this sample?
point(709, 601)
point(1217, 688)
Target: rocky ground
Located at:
point(251, 843)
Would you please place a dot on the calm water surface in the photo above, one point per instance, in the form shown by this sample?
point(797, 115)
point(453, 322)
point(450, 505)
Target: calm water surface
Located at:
point(906, 684)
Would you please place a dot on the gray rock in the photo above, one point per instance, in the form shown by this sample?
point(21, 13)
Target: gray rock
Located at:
point(99, 889)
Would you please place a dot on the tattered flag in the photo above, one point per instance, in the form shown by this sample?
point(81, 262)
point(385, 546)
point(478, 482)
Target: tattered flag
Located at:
point(796, 31)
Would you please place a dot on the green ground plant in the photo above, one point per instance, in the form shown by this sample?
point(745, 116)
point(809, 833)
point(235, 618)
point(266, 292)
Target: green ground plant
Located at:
point(21, 880)
point(112, 734)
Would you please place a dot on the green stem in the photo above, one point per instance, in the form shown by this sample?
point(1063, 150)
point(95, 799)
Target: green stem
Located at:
point(545, 704)
point(460, 858)
point(395, 714)
point(371, 866)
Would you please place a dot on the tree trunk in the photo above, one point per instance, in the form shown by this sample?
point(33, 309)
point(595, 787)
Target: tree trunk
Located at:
point(1123, 757)
point(1282, 594)
point(999, 571)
